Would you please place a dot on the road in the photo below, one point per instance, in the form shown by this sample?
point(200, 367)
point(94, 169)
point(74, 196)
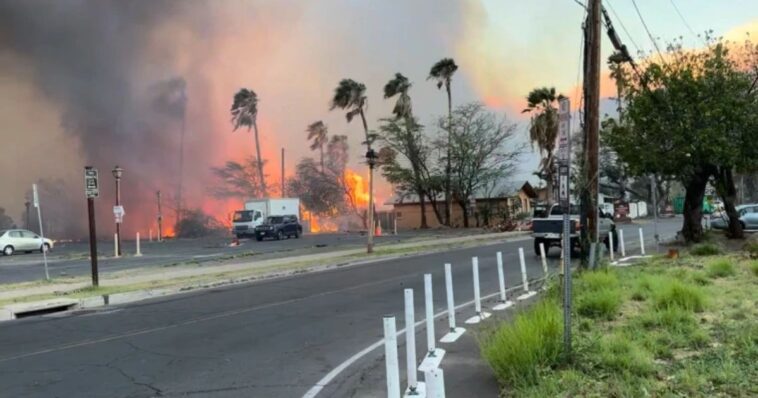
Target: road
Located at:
point(72, 259)
point(273, 338)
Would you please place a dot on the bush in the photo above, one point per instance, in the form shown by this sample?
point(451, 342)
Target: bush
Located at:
point(705, 249)
point(678, 294)
point(600, 304)
point(754, 267)
point(520, 350)
point(619, 354)
point(194, 223)
point(721, 268)
point(700, 278)
point(597, 280)
point(752, 249)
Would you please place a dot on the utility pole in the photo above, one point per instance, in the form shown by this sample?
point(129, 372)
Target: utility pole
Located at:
point(283, 192)
point(160, 218)
point(117, 173)
point(92, 190)
point(592, 117)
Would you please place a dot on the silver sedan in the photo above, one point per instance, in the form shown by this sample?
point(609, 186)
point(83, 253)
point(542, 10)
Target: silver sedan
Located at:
point(748, 217)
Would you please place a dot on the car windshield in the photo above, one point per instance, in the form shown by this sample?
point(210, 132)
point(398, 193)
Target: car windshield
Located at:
point(274, 220)
point(558, 210)
point(243, 216)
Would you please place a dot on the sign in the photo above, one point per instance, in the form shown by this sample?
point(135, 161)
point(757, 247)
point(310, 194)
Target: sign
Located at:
point(91, 186)
point(564, 130)
point(118, 212)
point(35, 195)
point(563, 186)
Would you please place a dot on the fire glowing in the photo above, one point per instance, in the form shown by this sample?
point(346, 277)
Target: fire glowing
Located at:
point(357, 187)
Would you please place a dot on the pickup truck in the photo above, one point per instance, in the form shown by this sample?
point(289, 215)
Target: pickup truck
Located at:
point(278, 227)
point(548, 229)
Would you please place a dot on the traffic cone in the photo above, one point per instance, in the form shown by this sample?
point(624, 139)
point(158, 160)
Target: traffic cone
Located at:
point(378, 230)
point(235, 241)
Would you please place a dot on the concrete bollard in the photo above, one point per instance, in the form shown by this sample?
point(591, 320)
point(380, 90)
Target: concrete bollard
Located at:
point(139, 252)
point(455, 332)
point(115, 246)
point(543, 257)
point(480, 315)
point(621, 243)
point(527, 293)
point(642, 242)
point(390, 355)
point(433, 354)
point(610, 243)
point(435, 383)
point(504, 302)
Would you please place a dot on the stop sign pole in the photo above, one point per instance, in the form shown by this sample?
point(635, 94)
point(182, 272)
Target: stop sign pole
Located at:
point(91, 191)
point(564, 171)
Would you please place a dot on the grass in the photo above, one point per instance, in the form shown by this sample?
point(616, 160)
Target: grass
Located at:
point(705, 249)
point(684, 327)
point(720, 268)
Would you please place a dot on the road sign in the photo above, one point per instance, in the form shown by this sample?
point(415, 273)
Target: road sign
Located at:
point(35, 195)
point(91, 186)
point(563, 186)
point(564, 130)
point(118, 212)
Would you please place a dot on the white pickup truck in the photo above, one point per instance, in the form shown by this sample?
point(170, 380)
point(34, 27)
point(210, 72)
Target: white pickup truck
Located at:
point(548, 229)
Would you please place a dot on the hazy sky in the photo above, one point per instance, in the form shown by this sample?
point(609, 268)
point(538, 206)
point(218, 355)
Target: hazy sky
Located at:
point(292, 53)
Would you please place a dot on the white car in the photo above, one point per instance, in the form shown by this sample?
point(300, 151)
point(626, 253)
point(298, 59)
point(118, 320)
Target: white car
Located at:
point(21, 240)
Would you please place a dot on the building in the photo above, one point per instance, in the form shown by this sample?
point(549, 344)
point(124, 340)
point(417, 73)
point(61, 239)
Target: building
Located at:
point(484, 211)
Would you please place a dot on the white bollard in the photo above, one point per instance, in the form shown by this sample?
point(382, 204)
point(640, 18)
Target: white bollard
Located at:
point(150, 234)
point(390, 355)
point(621, 243)
point(435, 383)
point(115, 246)
point(480, 315)
point(610, 243)
point(139, 252)
point(455, 332)
point(642, 243)
point(433, 354)
point(504, 302)
point(527, 293)
point(410, 344)
point(543, 257)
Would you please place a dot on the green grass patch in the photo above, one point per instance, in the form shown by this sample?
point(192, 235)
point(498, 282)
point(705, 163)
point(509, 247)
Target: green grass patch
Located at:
point(618, 353)
point(752, 249)
point(705, 249)
point(753, 265)
point(521, 351)
point(720, 268)
point(679, 294)
point(599, 304)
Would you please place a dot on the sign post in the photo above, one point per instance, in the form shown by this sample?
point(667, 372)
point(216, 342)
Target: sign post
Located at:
point(564, 172)
point(91, 191)
point(41, 234)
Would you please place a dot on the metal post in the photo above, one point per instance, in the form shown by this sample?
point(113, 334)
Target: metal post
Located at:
point(450, 298)
point(117, 175)
point(477, 298)
point(429, 307)
point(642, 243)
point(115, 246)
point(139, 252)
point(544, 259)
point(621, 243)
point(655, 213)
point(522, 263)
point(41, 233)
point(435, 383)
point(410, 341)
point(610, 243)
point(390, 355)
point(501, 276)
point(92, 241)
point(283, 191)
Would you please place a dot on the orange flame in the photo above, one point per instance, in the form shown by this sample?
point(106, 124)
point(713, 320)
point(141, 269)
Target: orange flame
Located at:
point(358, 188)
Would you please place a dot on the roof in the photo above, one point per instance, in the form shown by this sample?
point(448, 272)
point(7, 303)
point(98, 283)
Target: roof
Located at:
point(413, 199)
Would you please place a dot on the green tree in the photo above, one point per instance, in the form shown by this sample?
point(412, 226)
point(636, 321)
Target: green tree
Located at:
point(5, 220)
point(543, 130)
point(692, 118)
point(350, 96)
point(442, 72)
point(318, 133)
point(245, 113)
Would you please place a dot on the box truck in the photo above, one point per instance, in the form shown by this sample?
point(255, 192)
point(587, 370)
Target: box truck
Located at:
point(256, 211)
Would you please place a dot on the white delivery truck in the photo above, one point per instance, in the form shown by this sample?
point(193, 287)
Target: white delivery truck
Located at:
point(256, 211)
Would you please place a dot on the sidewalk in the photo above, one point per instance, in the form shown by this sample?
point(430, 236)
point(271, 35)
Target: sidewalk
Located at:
point(194, 275)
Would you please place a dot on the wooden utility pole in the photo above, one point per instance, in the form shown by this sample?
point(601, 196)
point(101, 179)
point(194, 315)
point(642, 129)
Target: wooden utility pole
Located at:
point(283, 192)
point(160, 218)
point(592, 118)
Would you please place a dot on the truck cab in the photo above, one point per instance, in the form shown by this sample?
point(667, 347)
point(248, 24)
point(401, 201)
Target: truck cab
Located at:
point(548, 230)
point(245, 221)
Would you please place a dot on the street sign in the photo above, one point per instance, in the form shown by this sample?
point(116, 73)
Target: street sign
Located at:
point(35, 195)
point(564, 130)
point(563, 185)
point(91, 186)
point(118, 212)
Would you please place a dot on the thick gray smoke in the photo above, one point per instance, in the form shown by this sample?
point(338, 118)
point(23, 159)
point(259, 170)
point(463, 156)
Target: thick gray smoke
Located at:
point(88, 58)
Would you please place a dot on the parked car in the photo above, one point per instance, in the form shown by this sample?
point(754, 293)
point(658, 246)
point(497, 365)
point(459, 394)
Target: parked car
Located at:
point(21, 240)
point(548, 229)
point(278, 227)
point(748, 217)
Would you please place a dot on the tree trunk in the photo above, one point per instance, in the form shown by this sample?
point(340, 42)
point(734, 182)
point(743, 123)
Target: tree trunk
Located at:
point(259, 160)
point(692, 229)
point(448, 168)
point(422, 202)
point(432, 201)
point(550, 176)
point(462, 203)
point(728, 193)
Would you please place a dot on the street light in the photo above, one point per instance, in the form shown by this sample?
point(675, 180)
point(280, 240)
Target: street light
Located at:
point(371, 158)
point(117, 173)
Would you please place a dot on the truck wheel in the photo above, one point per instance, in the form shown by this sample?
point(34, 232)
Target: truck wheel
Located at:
point(259, 238)
point(297, 234)
point(537, 247)
point(279, 235)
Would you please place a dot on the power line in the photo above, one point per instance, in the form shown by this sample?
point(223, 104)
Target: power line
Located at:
point(629, 36)
point(684, 20)
point(655, 44)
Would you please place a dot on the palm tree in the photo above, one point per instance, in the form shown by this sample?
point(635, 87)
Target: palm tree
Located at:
point(351, 97)
point(318, 132)
point(399, 87)
point(543, 130)
point(442, 72)
point(245, 113)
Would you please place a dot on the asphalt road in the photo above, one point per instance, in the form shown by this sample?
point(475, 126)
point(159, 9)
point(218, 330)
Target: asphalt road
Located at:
point(72, 259)
point(273, 338)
